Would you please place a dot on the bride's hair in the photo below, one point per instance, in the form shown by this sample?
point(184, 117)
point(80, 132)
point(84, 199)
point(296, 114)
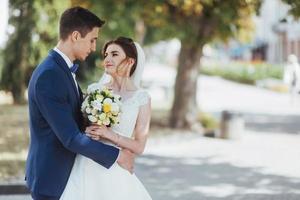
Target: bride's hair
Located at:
point(128, 47)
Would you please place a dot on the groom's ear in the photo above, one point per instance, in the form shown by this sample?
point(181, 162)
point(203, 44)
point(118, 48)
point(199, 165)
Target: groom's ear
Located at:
point(75, 35)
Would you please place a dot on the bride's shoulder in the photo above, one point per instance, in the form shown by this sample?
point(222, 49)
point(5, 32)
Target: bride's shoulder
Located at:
point(143, 96)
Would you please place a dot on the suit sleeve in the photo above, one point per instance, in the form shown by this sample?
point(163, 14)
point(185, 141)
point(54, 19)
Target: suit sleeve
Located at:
point(51, 98)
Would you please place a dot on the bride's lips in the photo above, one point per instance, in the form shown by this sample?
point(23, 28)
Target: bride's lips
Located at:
point(108, 65)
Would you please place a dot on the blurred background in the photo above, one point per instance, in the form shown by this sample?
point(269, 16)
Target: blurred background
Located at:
point(224, 79)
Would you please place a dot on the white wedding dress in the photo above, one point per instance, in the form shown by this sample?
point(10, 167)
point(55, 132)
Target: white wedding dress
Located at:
point(90, 181)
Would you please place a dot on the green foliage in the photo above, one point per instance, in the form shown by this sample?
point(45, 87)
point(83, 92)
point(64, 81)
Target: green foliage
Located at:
point(92, 77)
point(1, 60)
point(189, 20)
point(295, 7)
point(18, 48)
point(14, 134)
point(196, 21)
point(35, 32)
point(120, 16)
point(208, 121)
point(45, 35)
point(247, 73)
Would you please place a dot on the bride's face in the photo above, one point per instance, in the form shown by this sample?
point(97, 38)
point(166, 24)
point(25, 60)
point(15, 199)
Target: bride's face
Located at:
point(116, 61)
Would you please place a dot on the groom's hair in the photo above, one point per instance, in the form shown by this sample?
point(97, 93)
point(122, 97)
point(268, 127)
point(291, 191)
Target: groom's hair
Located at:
point(78, 19)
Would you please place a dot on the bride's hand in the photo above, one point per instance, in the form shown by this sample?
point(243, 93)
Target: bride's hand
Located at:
point(98, 132)
point(90, 132)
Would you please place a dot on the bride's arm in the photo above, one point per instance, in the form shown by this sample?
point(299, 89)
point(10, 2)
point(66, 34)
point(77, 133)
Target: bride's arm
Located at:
point(135, 144)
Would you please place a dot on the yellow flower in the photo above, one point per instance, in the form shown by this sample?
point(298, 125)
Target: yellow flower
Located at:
point(106, 108)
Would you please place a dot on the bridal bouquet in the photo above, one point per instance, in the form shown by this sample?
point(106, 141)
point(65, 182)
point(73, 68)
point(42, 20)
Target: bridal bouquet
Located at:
point(101, 105)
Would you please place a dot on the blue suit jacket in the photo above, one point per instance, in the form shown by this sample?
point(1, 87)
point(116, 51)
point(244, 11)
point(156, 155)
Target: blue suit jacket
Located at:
point(55, 129)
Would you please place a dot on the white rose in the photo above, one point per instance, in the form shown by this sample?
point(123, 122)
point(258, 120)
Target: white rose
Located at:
point(114, 120)
point(83, 107)
point(117, 120)
point(117, 98)
point(100, 97)
point(107, 101)
point(115, 108)
point(102, 116)
point(93, 87)
point(97, 105)
point(94, 112)
point(92, 118)
point(84, 104)
point(88, 110)
point(86, 101)
point(106, 121)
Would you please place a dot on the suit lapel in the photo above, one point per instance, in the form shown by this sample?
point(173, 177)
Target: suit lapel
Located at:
point(63, 65)
point(80, 94)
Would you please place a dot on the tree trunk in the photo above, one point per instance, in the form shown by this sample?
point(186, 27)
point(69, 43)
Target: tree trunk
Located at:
point(17, 51)
point(18, 76)
point(184, 112)
point(18, 95)
point(140, 31)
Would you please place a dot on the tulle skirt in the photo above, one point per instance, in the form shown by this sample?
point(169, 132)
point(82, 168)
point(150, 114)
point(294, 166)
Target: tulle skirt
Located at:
point(91, 181)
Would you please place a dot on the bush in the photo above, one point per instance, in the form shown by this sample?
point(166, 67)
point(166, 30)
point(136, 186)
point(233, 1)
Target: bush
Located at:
point(208, 121)
point(243, 72)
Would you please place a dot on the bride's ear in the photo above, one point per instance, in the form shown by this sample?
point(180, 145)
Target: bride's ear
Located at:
point(131, 62)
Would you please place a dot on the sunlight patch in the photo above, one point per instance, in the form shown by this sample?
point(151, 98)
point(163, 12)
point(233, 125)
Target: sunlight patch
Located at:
point(147, 161)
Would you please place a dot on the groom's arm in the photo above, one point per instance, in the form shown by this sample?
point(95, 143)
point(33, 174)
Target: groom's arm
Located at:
point(52, 100)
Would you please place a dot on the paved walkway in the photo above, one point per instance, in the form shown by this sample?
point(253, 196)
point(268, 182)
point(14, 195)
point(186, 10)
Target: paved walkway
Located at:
point(216, 94)
point(258, 166)
point(186, 166)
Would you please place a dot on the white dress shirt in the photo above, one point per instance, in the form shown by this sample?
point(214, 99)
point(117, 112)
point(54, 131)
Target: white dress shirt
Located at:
point(69, 63)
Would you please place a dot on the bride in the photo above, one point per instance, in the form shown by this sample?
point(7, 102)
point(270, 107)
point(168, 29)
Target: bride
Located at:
point(124, 62)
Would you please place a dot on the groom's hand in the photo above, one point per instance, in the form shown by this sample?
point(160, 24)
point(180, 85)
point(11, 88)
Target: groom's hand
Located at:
point(126, 160)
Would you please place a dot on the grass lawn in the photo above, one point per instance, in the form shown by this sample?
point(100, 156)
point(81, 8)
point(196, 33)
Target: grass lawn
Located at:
point(14, 138)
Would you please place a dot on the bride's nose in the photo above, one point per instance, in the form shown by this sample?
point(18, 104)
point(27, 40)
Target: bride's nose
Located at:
point(107, 62)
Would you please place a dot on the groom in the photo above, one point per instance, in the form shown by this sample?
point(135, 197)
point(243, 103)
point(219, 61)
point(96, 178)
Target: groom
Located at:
point(56, 128)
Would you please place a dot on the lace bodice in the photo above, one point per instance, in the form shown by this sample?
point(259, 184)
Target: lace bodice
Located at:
point(130, 109)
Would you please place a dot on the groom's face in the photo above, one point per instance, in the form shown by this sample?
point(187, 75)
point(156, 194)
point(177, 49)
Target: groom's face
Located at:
point(83, 46)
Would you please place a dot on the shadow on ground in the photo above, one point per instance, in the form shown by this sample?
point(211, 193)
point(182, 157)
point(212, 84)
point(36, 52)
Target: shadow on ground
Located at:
point(273, 123)
point(200, 178)
point(268, 122)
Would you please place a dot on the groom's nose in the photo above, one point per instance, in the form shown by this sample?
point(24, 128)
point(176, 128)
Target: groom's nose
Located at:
point(93, 48)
